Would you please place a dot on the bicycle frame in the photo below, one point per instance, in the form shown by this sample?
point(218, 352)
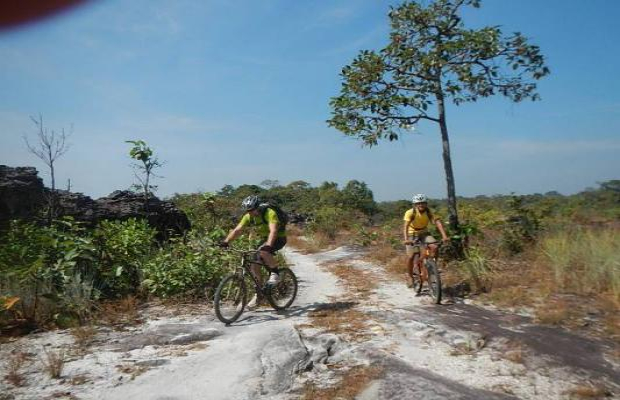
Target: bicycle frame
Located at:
point(249, 258)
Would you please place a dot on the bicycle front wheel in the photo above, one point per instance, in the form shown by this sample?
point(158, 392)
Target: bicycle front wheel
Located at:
point(434, 280)
point(282, 295)
point(230, 298)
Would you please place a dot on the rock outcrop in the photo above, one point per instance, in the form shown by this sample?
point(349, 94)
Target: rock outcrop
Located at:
point(21, 193)
point(23, 196)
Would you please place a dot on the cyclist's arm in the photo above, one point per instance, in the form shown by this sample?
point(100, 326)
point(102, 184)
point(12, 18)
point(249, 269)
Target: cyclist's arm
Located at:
point(406, 230)
point(439, 225)
point(233, 234)
point(273, 233)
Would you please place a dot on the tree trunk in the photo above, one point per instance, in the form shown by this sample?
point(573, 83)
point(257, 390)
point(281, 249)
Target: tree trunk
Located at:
point(51, 215)
point(447, 164)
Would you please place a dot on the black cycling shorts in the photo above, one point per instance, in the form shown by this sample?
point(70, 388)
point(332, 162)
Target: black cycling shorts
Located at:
point(280, 242)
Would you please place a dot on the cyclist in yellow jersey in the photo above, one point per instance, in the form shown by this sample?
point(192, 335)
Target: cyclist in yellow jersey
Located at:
point(415, 229)
point(266, 221)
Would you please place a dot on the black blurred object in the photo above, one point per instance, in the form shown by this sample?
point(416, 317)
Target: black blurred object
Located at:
point(223, 245)
point(14, 13)
point(266, 248)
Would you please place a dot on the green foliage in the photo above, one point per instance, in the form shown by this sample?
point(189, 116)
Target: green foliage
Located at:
point(331, 220)
point(38, 264)
point(521, 226)
point(148, 162)
point(190, 266)
point(431, 56)
point(476, 268)
point(122, 247)
point(58, 271)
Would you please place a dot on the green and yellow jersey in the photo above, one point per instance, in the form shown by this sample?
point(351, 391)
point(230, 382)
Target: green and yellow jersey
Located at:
point(261, 222)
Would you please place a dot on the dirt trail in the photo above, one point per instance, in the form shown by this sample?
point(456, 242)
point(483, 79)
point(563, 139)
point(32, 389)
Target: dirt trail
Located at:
point(419, 349)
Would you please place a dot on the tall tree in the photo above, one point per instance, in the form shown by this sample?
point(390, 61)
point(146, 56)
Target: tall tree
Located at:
point(49, 147)
point(432, 59)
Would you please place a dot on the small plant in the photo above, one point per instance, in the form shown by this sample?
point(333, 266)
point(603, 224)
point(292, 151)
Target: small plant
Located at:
point(143, 171)
point(476, 268)
point(83, 336)
point(14, 366)
point(53, 362)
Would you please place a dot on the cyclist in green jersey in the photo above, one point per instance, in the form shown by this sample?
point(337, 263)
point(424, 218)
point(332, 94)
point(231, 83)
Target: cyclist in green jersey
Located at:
point(265, 220)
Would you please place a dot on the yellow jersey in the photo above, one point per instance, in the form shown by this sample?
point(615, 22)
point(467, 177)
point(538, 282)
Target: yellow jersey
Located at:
point(418, 221)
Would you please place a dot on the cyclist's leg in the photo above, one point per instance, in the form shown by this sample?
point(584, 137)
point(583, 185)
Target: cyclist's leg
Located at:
point(409, 251)
point(270, 261)
point(431, 242)
point(268, 257)
point(413, 266)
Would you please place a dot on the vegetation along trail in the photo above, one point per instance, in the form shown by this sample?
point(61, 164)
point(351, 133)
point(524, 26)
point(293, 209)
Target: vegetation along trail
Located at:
point(353, 332)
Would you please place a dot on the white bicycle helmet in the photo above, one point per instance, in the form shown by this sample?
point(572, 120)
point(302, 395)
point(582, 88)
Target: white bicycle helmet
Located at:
point(419, 198)
point(250, 203)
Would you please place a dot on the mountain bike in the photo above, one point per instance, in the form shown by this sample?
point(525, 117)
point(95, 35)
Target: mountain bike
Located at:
point(231, 296)
point(428, 271)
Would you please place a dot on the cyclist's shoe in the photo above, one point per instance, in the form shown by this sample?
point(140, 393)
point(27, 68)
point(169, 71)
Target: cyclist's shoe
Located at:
point(255, 302)
point(274, 278)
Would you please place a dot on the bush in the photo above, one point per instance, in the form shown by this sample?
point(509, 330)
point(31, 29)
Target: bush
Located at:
point(329, 221)
point(188, 267)
point(122, 248)
point(521, 226)
point(38, 264)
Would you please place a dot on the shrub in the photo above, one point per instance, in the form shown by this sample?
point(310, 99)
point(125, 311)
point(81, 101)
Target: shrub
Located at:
point(188, 267)
point(521, 226)
point(122, 248)
point(331, 220)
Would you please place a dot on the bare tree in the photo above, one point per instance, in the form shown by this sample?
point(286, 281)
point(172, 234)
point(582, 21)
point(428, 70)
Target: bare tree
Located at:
point(49, 146)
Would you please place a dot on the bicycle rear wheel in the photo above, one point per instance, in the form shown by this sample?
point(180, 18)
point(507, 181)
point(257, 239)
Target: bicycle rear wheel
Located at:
point(230, 298)
point(434, 280)
point(284, 292)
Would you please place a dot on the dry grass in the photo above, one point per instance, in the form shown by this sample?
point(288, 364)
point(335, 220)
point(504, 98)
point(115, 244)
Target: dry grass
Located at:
point(514, 352)
point(354, 381)
point(470, 347)
point(14, 365)
point(555, 313)
point(61, 395)
point(83, 336)
point(588, 391)
point(120, 312)
point(79, 379)
point(53, 362)
point(132, 370)
point(356, 280)
point(584, 261)
point(342, 318)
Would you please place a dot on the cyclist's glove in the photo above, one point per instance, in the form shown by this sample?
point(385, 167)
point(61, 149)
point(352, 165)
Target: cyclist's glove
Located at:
point(223, 245)
point(266, 248)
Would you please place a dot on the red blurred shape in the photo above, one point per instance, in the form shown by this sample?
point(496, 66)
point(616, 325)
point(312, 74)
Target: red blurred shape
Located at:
point(14, 13)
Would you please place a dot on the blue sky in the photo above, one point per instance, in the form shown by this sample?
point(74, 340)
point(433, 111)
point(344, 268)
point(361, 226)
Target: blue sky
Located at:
point(233, 92)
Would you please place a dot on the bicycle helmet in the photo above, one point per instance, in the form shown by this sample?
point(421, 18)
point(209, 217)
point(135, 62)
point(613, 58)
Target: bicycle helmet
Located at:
point(250, 203)
point(419, 198)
